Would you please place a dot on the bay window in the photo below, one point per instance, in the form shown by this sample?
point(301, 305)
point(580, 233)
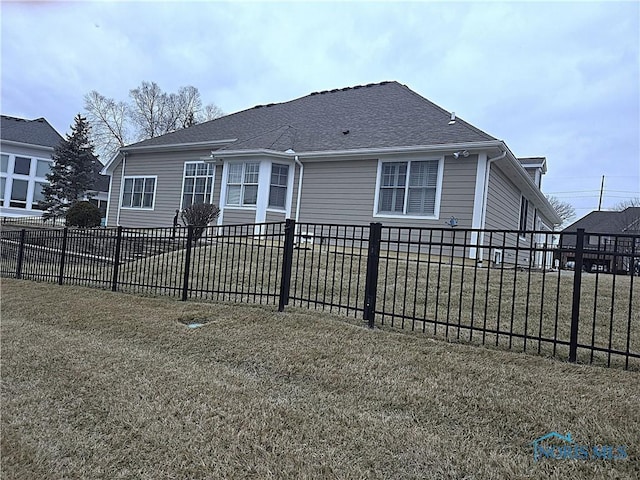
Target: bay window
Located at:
point(242, 184)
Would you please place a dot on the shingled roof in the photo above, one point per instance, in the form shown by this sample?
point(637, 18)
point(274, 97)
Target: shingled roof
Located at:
point(380, 115)
point(626, 221)
point(33, 132)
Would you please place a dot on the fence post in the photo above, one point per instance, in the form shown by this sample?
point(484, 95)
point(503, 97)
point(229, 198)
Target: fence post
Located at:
point(371, 282)
point(577, 286)
point(116, 260)
point(187, 264)
point(65, 234)
point(287, 261)
point(23, 233)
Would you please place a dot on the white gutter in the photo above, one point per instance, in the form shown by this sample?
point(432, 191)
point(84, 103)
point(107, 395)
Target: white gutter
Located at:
point(337, 154)
point(124, 164)
point(299, 163)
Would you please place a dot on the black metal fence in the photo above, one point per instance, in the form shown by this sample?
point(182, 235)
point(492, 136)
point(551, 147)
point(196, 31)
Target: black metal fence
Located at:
point(507, 289)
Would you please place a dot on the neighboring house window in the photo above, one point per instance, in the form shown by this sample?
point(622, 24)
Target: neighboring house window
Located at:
point(408, 188)
point(242, 183)
point(22, 166)
point(198, 183)
point(278, 188)
point(24, 184)
point(38, 196)
point(101, 204)
point(138, 192)
point(43, 168)
point(524, 207)
point(19, 190)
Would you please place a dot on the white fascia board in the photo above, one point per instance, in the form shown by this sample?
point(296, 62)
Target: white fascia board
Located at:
point(27, 145)
point(532, 190)
point(107, 170)
point(329, 155)
point(178, 146)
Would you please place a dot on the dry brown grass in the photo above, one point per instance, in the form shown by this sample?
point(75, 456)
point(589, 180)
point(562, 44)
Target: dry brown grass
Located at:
point(103, 385)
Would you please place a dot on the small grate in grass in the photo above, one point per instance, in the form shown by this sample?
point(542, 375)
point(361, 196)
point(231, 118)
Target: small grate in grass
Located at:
point(193, 322)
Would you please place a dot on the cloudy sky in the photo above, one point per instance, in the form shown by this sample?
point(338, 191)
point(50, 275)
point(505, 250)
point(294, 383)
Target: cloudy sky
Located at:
point(560, 80)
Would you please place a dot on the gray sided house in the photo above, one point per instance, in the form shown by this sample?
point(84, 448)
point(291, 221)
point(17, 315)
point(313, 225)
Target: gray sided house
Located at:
point(611, 242)
point(372, 153)
point(26, 148)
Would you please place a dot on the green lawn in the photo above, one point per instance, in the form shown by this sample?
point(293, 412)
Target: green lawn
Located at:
point(104, 385)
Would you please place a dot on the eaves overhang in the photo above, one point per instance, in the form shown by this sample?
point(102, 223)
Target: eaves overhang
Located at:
point(27, 145)
point(356, 153)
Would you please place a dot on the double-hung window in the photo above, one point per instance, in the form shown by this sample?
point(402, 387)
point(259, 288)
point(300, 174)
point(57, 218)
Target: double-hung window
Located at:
point(198, 183)
point(242, 183)
point(138, 192)
point(408, 188)
point(278, 188)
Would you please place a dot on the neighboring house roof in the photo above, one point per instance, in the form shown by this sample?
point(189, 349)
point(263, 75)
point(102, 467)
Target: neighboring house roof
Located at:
point(40, 132)
point(101, 182)
point(33, 132)
point(382, 115)
point(626, 221)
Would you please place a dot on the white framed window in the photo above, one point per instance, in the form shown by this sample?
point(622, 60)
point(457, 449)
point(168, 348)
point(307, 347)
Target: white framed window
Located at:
point(242, 184)
point(19, 189)
point(524, 209)
point(43, 168)
point(278, 187)
point(22, 166)
point(139, 192)
point(38, 195)
point(410, 188)
point(197, 183)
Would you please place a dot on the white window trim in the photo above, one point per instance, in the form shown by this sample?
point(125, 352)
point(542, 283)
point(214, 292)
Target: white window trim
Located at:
point(155, 187)
point(225, 184)
point(287, 186)
point(31, 178)
point(184, 174)
point(436, 210)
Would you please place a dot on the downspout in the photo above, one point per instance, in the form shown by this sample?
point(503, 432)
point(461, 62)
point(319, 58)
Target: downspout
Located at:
point(485, 197)
point(124, 164)
point(299, 163)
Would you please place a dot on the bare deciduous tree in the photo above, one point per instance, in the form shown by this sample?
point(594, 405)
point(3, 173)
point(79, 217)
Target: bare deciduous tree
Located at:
point(150, 112)
point(109, 122)
point(630, 202)
point(564, 209)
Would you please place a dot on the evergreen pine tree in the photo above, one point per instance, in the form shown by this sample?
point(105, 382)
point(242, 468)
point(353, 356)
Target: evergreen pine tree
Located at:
point(72, 173)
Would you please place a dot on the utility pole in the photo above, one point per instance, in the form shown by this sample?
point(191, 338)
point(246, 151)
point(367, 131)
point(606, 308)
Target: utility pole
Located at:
point(601, 190)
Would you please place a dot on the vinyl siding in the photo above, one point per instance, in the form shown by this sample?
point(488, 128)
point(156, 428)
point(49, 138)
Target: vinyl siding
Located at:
point(503, 213)
point(169, 170)
point(503, 202)
point(237, 216)
point(275, 217)
point(343, 192)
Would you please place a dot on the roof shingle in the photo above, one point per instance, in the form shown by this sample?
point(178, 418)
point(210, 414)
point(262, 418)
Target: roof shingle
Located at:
point(33, 132)
point(381, 115)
